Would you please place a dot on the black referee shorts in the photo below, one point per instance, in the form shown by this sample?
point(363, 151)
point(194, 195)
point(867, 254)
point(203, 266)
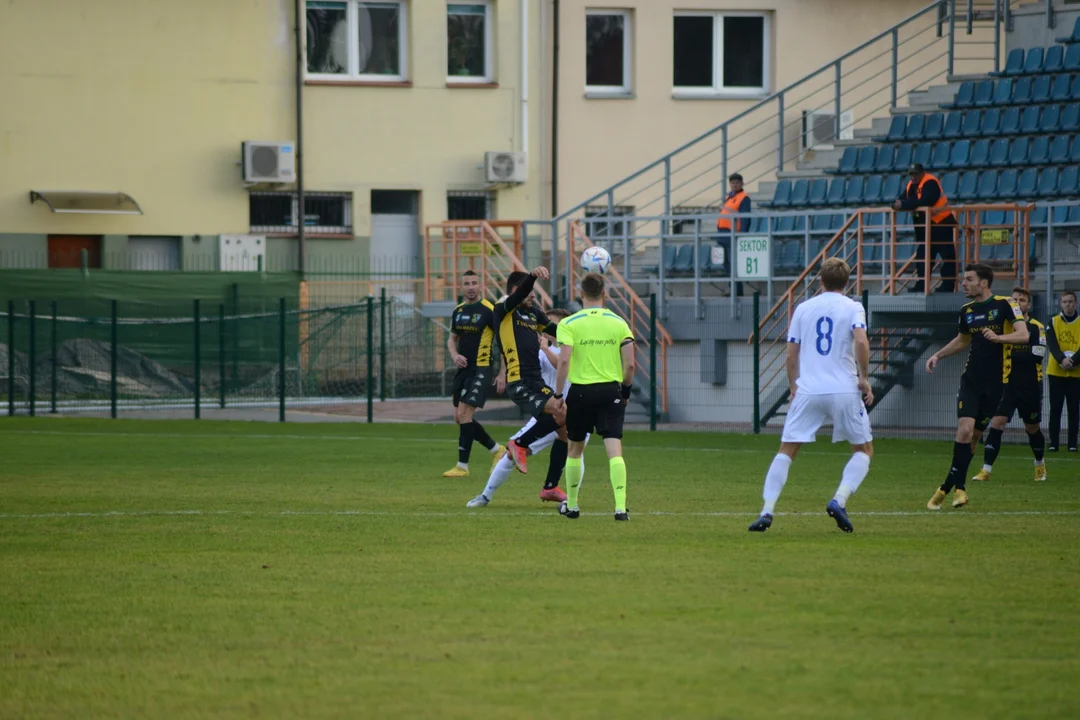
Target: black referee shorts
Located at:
point(978, 401)
point(597, 407)
point(1025, 401)
point(471, 386)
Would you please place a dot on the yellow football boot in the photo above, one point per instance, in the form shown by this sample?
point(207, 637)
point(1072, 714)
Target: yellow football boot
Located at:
point(455, 472)
point(936, 501)
point(499, 454)
point(960, 498)
point(1040, 473)
point(982, 476)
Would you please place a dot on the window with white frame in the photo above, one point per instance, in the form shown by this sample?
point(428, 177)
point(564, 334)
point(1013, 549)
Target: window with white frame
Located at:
point(469, 51)
point(607, 51)
point(721, 53)
point(356, 40)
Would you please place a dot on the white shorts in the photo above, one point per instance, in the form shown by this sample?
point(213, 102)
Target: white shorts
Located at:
point(541, 444)
point(808, 413)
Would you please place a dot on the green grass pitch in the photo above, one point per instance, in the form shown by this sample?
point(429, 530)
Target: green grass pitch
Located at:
point(184, 569)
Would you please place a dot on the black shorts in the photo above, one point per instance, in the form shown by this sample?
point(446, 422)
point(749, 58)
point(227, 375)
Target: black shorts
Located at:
point(471, 386)
point(978, 401)
point(1025, 401)
point(597, 407)
point(530, 395)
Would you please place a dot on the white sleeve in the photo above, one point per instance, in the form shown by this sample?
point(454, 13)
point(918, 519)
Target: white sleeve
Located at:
point(858, 316)
point(795, 327)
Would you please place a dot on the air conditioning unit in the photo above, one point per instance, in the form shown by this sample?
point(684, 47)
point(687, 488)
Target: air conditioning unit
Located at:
point(819, 128)
point(506, 167)
point(269, 162)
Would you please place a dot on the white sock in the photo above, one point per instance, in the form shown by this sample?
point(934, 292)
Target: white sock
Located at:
point(987, 468)
point(854, 473)
point(497, 448)
point(498, 476)
point(1040, 462)
point(463, 466)
point(774, 482)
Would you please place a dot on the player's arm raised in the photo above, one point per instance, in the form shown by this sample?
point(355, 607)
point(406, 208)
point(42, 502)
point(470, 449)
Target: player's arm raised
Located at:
point(957, 344)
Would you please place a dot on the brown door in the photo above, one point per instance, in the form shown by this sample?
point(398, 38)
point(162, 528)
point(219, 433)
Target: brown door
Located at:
point(65, 251)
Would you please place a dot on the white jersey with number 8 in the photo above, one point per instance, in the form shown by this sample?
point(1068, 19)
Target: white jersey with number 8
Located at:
point(823, 327)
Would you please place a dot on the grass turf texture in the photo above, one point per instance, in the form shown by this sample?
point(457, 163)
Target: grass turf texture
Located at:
point(271, 599)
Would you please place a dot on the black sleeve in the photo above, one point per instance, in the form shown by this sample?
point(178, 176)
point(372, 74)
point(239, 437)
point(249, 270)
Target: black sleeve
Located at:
point(1052, 343)
point(453, 323)
point(520, 294)
point(931, 194)
point(544, 324)
point(744, 207)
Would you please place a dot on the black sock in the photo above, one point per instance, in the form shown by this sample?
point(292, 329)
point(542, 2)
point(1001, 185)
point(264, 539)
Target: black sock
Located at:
point(556, 464)
point(961, 458)
point(544, 426)
point(1038, 444)
point(481, 436)
point(993, 445)
point(465, 440)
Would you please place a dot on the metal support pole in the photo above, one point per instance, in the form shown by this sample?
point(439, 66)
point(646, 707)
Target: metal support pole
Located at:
point(723, 157)
point(971, 15)
point(370, 358)
point(235, 337)
point(53, 361)
point(997, 35)
point(11, 358)
point(195, 315)
point(952, 36)
point(281, 360)
point(1051, 20)
point(665, 225)
point(780, 132)
point(221, 355)
point(382, 345)
point(757, 363)
point(114, 348)
point(652, 362)
point(33, 358)
point(895, 63)
point(836, 102)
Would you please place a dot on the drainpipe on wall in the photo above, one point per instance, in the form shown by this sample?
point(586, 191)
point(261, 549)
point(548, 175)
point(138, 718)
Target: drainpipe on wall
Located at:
point(555, 118)
point(524, 76)
point(301, 219)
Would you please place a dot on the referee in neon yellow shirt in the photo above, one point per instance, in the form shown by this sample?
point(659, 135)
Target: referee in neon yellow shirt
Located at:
point(597, 356)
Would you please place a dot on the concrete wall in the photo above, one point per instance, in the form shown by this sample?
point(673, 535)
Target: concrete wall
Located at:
point(1029, 24)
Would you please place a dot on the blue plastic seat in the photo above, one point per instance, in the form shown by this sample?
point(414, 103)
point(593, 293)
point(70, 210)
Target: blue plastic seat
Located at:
point(854, 193)
point(991, 122)
point(885, 156)
point(1074, 88)
point(980, 153)
point(705, 260)
point(940, 157)
point(816, 246)
point(1040, 89)
point(1075, 36)
point(968, 187)
point(782, 194)
point(921, 153)
point(799, 190)
point(669, 257)
point(1074, 215)
point(897, 129)
point(784, 224)
point(848, 160)
point(954, 125)
point(1072, 59)
point(999, 152)
point(965, 96)
point(971, 123)
point(1014, 62)
point(1021, 93)
point(1054, 61)
point(1018, 153)
point(1059, 89)
point(960, 154)
point(993, 217)
point(1059, 150)
point(890, 190)
point(1029, 120)
point(684, 259)
point(819, 189)
point(836, 191)
point(759, 224)
point(949, 182)
point(916, 127)
point(984, 93)
point(1060, 216)
point(902, 158)
point(932, 128)
point(1038, 217)
point(872, 190)
point(1070, 117)
point(1040, 150)
point(1074, 150)
point(1048, 183)
point(867, 158)
point(987, 187)
point(1050, 120)
point(1034, 61)
point(1010, 121)
point(1069, 182)
point(1006, 187)
point(1003, 91)
point(821, 224)
point(1028, 184)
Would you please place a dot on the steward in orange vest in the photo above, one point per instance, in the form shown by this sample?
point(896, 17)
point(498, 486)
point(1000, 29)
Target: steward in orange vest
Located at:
point(737, 202)
point(924, 191)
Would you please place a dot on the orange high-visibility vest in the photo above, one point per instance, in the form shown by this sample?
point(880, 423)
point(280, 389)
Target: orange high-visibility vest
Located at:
point(731, 205)
point(942, 201)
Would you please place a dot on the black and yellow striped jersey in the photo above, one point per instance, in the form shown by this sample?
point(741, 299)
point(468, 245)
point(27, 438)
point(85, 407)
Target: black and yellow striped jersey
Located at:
point(519, 338)
point(1027, 359)
point(474, 324)
point(988, 363)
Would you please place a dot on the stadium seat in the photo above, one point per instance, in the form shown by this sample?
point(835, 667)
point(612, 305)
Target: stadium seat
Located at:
point(818, 190)
point(968, 187)
point(960, 154)
point(872, 190)
point(705, 260)
point(816, 246)
point(1069, 182)
point(1029, 120)
point(1018, 152)
point(940, 157)
point(984, 93)
point(684, 259)
point(854, 193)
point(987, 188)
point(1074, 215)
point(1006, 185)
point(993, 217)
point(791, 257)
point(1040, 150)
point(822, 224)
point(991, 122)
point(800, 189)
point(1033, 63)
point(999, 152)
point(1059, 150)
point(965, 96)
point(1074, 88)
point(782, 194)
point(916, 127)
point(897, 129)
point(1059, 89)
point(890, 190)
point(669, 257)
point(902, 158)
point(784, 224)
point(867, 158)
point(1038, 217)
point(1050, 120)
point(1070, 116)
point(848, 160)
point(1074, 150)
point(1061, 215)
point(954, 124)
point(921, 153)
point(971, 123)
point(1028, 183)
point(1048, 183)
point(1075, 36)
point(1014, 63)
point(1021, 91)
point(1003, 91)
point(1040, 89)
point(1054, 62)
point(1010, 121)
point(800, 224)
point(885, 156)
point(759, 224)
point(980, 153)
point(932, 127)
point(836, 191)
point(949, 182)
point(1072, 59)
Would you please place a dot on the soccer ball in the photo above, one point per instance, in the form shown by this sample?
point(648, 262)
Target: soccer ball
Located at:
point(596, 260)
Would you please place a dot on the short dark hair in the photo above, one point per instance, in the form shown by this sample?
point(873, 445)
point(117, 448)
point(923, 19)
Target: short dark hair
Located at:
point(592, 286)
point(1023, 291)
point(558, 313)
point(734, 176)
point(983, 272)
point(514, 280)
point(1068, 293)
point(469, 273)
